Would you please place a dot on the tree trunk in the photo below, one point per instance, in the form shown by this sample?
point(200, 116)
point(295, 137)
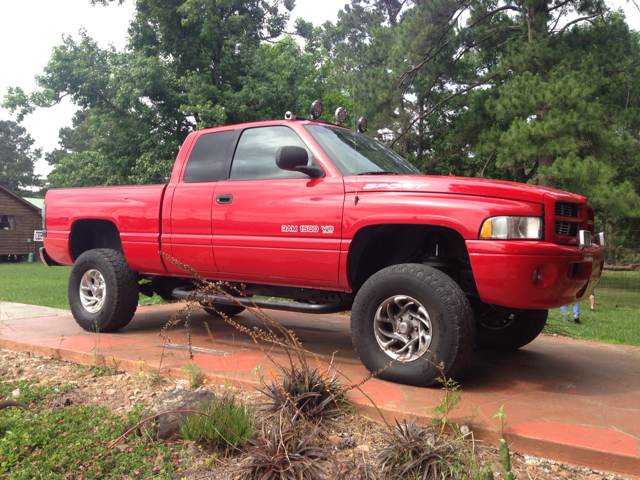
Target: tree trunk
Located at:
point(612, 250)
point(546, 161)
point(405, 140)
point(420, 131)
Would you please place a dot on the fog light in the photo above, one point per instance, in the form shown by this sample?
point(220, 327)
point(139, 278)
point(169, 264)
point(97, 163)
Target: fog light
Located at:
point(544, 275)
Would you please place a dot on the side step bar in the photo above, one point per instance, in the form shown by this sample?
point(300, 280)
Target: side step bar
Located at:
point(182, 293)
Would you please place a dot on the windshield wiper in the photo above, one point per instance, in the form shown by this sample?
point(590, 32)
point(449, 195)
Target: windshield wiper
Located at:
point(380, 172)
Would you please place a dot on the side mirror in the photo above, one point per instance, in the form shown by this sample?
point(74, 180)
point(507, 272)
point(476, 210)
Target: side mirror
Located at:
point(295, 159)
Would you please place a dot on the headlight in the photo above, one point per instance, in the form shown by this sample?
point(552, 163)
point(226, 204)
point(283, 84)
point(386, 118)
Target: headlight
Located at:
point(506, 228)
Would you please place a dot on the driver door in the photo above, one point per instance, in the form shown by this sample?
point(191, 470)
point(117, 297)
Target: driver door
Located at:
point(274, 225)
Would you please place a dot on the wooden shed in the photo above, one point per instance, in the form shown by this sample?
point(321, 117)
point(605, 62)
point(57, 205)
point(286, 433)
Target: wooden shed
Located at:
point(18, 220)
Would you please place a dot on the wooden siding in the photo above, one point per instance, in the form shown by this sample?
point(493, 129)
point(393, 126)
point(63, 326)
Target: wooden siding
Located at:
point(27, 218)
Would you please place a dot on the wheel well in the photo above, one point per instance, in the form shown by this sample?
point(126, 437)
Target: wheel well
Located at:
point(90, 233)
point(380, 246)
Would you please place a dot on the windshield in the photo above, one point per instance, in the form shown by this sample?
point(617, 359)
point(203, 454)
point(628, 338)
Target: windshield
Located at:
point(356, 154)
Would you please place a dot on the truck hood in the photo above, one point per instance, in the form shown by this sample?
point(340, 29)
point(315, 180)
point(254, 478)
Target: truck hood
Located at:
point(454, 185)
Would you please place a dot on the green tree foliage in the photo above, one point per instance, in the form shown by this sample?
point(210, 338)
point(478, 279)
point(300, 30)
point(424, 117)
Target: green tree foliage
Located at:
point(540, 91)
point(189, 64)
point(17, 158)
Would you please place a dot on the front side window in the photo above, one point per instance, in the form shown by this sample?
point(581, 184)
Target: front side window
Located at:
point(210, 153)
point(255, 156)
point(357, 154)
point(7, 222)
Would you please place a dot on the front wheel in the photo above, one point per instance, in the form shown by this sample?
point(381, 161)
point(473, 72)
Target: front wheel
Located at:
point(103, 290)
point(409, 318)
point(499, 329)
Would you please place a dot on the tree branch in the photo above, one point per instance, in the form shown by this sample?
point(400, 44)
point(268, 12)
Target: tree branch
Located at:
point(560, 5)
point(528, 176)
point(492, 13)
point(485, 165)
point(431, 110)
point(512, 38)
point(451, 23)
point(628, 91)
point(110, 103)
point(576, 21)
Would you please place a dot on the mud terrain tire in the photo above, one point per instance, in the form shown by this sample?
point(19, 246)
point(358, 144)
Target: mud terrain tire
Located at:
point(405, 292)
point(103, 290)
point(513, 331)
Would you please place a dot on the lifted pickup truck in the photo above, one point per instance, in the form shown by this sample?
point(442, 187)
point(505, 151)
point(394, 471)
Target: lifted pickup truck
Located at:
point(334, 220)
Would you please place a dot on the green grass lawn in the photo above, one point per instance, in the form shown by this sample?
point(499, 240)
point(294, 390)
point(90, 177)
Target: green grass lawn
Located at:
point(608, 324)
point(616, 319)
point(36, 284)
point(617, 312)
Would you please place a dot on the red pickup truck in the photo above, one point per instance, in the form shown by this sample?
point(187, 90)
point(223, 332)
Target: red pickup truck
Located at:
point(333, 220)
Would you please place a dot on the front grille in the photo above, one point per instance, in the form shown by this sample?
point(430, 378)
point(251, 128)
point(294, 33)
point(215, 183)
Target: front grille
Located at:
point(563, 228)
point(566, 210)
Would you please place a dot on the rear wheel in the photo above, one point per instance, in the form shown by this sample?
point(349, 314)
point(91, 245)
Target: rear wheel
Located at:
point(415, 317)
point(103, 290)
point(502, 329)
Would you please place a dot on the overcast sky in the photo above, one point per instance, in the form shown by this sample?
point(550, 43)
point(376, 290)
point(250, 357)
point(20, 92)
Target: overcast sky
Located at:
point(29, 29)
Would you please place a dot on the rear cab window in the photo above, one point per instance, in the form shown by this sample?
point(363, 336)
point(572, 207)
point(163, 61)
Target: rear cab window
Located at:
point(210, 157)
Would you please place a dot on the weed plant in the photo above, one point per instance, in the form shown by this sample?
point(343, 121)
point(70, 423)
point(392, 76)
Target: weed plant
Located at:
point(150, 376)
point(66, 442)
point(193, 372)
point(232, 413)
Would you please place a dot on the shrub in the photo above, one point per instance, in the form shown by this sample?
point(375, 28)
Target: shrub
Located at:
point(234, 414)
point(304, 392)
point(285, 452)
point(408, 450)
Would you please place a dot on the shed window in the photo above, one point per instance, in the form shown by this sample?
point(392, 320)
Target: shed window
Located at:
point(7, 222)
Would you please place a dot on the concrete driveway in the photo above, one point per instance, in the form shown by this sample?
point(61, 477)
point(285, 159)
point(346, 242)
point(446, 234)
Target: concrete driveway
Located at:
point(567, 400)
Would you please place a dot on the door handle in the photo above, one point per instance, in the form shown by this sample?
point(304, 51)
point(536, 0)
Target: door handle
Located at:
point(224, 199)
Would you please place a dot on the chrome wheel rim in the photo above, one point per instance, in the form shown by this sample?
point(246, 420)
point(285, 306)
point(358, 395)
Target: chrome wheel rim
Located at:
point(403, 328)
point(93, 290)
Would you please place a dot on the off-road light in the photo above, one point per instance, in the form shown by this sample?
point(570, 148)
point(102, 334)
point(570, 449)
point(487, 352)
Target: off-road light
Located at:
point(362, 125)
point(316, 110)
point(341, 115)
point(508, 228)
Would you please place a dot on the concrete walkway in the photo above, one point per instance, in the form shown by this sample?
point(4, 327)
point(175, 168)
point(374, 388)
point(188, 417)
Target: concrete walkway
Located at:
point(11, 311)
point(571, 401)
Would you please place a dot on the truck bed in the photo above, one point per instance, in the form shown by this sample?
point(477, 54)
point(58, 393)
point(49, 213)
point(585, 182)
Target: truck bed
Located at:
point(135, 211)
